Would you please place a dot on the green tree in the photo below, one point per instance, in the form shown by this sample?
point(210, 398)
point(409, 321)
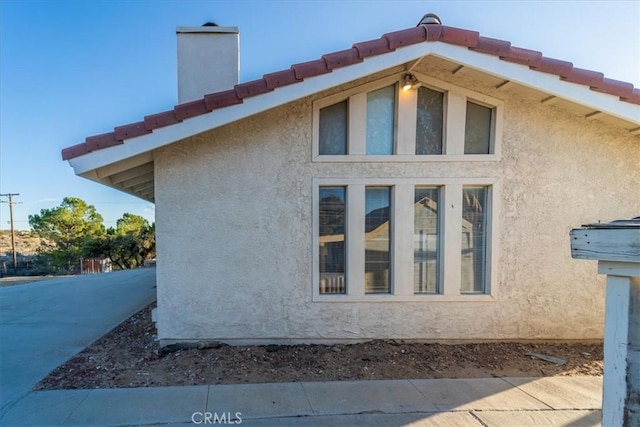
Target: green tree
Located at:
point(66, 231)
point(127, 245)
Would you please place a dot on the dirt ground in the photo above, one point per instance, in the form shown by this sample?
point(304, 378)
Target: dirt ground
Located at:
point(128, 356)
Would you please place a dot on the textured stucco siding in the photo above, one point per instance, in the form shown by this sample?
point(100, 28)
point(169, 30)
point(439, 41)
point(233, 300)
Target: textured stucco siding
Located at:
point(234, 231)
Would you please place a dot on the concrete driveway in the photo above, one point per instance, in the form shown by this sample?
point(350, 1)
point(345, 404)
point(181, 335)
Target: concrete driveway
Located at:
point(44, 324)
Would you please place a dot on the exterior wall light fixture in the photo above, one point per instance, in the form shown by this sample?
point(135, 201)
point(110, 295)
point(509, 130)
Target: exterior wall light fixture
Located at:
point(409, 81)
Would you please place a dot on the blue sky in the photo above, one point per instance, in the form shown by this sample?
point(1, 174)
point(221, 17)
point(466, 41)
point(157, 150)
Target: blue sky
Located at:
point(71, 69)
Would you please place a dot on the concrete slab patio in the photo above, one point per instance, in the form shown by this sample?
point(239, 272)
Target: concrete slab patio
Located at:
point(44, 324)
point(493, 402)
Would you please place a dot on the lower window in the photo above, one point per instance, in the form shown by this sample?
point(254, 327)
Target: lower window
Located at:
point(426, 247)
point(474, 239)
point(391, 239)
point(377, 238)
point(331, 240)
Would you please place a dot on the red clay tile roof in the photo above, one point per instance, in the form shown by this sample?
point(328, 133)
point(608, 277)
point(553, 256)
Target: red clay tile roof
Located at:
point(385, 44)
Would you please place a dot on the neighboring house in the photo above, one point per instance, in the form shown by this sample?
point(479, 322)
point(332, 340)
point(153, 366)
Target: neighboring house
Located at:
point(327, 202)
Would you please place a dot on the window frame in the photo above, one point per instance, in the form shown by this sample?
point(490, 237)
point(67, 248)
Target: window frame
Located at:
point(401, 285)
point(455, 101)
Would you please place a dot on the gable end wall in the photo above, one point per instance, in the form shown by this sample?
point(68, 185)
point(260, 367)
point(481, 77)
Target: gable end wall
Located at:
point(234, 231)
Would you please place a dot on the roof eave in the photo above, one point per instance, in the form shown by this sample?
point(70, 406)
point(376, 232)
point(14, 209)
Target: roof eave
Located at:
point(545, 82)
point(251, 106)
point(490, 64)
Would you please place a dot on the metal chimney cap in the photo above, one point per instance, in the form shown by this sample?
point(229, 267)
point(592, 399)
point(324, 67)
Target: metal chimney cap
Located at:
point(430, 19)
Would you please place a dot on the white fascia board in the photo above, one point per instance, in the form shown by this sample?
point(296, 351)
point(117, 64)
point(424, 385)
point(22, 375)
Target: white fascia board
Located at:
point(549, 83)
point(253, 105)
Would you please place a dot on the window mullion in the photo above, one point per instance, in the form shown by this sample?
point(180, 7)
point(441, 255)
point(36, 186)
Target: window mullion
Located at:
point(451, 243)
point(357, 128)
point(407, 116)
point(403, 239)
point(455, 118)
point(355, 239)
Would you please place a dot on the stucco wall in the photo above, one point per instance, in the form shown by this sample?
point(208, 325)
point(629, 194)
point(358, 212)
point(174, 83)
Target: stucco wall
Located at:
point(234, 231)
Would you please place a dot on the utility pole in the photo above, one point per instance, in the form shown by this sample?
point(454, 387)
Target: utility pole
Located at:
point(13, 233)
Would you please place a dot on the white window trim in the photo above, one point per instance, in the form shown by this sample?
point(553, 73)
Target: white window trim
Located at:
point(406, 101)
point(402, 279)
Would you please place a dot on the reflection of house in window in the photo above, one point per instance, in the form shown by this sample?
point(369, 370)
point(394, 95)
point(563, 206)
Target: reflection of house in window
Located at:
point(425, 241)
point(332, 242)
point(474, 236)
point(417, 231)
point(377, 238)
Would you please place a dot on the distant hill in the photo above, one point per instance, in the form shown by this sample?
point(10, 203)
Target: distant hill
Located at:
point(27, 242)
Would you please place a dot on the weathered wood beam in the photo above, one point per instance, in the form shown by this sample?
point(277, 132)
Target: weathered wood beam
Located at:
point(131, 173)
point(458, 70)
point(140, 187)
point(414, 64)
point(123, 165)
point(606, 244)
point(507, 84)
point(148, 194)
point(147, 177)
point(594, 115)
point(550, 100)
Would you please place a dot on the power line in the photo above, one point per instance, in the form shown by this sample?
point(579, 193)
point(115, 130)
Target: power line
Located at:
point(13, 233)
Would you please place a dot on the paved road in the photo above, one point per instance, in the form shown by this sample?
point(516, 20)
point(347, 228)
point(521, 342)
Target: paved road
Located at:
point(44, 324)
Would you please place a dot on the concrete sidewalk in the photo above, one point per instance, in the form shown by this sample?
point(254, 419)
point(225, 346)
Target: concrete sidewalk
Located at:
point(551, 401)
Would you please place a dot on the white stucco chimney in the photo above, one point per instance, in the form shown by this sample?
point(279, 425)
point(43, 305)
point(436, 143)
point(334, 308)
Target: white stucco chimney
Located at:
point(208, 60)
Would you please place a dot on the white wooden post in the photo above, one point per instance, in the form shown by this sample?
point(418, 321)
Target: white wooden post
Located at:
point(617, 248)
point(616, 347)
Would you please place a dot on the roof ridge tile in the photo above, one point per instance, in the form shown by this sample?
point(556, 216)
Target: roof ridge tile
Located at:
point(190, 109)
point(634, 98)
point(553, 66)
point(223, 99)
point(74, 151)
point(406, 37)
point(459, 36)
point(280, 78)
point(522, 56)
point(104, 140)
point(313, 68)
point(373, 47)
point(252, 88)
point(614, 87)
point(492, 46)
point(342, 58)
point(584, 77)
point(131, 130)
point(433, 32)
point(159, 120)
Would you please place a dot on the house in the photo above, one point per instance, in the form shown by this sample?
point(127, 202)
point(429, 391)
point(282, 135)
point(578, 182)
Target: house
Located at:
point(417, 186)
